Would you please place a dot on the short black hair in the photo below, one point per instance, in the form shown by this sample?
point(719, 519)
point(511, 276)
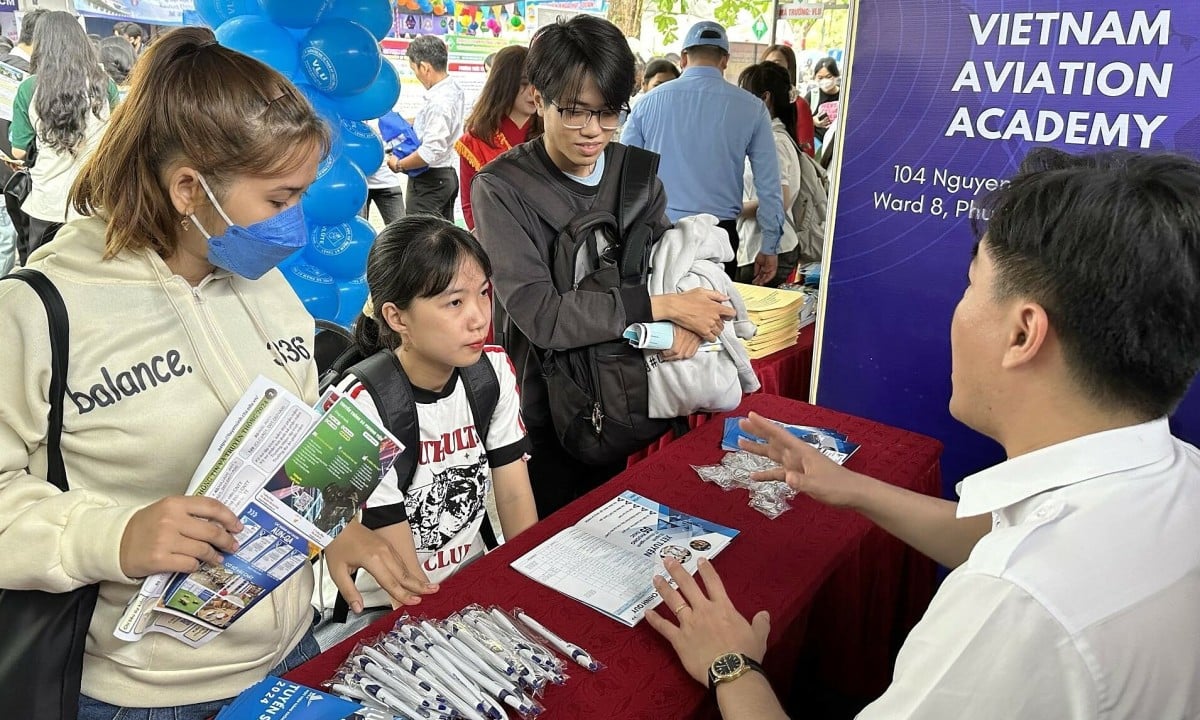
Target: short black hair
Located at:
point(429, 49)
point(561, 55)
point(659, 65)
point(132, 30)
point(28, 25)
point(828, 64)
point(1109, 245)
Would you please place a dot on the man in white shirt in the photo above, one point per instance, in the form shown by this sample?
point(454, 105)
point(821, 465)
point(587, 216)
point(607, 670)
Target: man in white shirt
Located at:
point(1075, 591)
point(438, 125)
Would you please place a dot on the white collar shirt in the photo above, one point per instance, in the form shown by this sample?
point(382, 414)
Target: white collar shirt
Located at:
point(1082, 602)
point(439, 124)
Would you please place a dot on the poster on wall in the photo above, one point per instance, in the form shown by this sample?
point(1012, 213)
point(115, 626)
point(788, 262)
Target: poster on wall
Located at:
point(946, 97)
point(155, 12)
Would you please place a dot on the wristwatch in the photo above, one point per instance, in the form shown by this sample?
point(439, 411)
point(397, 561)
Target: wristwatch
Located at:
point(731, 666)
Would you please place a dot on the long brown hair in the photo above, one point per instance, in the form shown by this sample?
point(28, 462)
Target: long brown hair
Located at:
point(194, 102)
point(504, 83)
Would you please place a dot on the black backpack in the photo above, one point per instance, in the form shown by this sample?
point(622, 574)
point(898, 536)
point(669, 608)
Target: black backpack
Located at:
point(383, 376)
point(599, 394)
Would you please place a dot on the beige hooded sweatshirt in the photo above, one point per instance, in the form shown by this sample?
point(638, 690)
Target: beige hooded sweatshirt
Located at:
point(155, 367)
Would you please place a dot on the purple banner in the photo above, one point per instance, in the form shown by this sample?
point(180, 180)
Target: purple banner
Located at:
point(946, 98)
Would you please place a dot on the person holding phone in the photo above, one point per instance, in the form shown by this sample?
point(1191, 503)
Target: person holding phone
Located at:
point(826, 97)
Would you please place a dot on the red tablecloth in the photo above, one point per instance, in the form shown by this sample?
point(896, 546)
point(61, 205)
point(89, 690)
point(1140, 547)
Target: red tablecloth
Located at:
point(836, 587)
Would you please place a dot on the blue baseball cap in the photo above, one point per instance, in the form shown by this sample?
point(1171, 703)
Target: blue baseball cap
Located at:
point(706, 32)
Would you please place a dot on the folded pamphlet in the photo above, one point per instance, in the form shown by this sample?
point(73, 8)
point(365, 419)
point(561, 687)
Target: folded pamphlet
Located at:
point(295, 476)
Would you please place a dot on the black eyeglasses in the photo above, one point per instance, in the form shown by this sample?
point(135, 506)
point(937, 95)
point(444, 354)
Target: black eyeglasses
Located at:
point(578, 118)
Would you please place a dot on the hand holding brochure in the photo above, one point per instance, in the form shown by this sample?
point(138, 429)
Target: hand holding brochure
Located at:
point(608, 559)
point(295, 476)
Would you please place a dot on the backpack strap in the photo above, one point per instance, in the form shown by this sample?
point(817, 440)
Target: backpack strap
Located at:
point(638, 173)
point(60, 342)
point(382, 375)
point(483, 394)
point(549, 206)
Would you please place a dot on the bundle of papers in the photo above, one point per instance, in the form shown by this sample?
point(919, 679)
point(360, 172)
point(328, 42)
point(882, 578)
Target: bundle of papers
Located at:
point(282, 700)
point(608, 560)
point(777, 313)
point(295, 476)
point(472, 665)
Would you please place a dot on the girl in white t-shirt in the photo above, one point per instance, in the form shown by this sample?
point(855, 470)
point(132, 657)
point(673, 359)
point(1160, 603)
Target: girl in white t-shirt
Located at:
point(431, 303)
point(772, 84)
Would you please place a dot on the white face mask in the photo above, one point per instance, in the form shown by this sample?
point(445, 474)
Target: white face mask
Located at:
point(827, 84)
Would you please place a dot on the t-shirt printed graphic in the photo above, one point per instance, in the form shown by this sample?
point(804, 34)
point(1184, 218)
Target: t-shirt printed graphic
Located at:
point(445, 502)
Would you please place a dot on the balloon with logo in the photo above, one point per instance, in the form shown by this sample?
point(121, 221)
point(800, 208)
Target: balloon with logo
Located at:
point(316, 289)
point(362, 145)
point(340, 57)
point(340, 250)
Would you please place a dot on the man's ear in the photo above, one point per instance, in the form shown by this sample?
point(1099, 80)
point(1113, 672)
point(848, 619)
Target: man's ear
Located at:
point(1027, 335)
point(539, 102)
point(185, 190)
point(724, 62)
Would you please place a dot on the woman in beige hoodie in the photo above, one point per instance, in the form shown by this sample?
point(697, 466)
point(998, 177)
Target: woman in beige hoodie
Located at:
point(191, 200)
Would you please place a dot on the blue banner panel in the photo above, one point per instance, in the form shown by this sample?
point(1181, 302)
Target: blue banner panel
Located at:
point(945, 99)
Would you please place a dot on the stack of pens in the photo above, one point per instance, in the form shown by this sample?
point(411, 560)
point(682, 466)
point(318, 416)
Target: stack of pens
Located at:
point(471, 666)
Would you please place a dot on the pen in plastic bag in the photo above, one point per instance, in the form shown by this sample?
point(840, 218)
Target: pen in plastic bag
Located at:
point(571, 650)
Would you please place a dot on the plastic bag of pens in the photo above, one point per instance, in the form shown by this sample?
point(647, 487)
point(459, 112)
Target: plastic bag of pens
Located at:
point(471, 665)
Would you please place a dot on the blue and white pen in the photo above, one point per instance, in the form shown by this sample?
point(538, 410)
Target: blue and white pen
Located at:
point(401, 690)
point(489, 655)
point(354, 693)
point(571, 650)
point(426, 675)
point(471, 696)
point(449, 661)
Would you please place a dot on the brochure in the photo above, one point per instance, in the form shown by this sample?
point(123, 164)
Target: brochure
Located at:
point(608, 560)
point(832, 444)
point(277, 699)
point(295, 476)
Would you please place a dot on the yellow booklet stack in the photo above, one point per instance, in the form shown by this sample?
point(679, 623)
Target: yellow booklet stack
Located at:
point(777, 315)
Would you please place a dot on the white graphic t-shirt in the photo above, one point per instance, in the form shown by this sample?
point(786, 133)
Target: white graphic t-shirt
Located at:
point(445, 502)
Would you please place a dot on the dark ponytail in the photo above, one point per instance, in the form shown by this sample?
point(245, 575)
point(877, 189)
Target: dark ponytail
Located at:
point(768, 77)
point(414, 257)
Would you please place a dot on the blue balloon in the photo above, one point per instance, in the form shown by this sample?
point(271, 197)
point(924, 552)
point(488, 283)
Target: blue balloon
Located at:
point(294, 13)
point(375, 101)
point(374, 15)
point(260, 38)
point(340, 57)
point(315, 289)
point(426, 6)
point(338, 193)
point(352, 296)
point(362, 145)
point(325, 106)
point(340, 250)
point(215, 12)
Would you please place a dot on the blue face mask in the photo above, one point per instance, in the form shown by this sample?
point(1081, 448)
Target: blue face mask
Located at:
point(252, 251)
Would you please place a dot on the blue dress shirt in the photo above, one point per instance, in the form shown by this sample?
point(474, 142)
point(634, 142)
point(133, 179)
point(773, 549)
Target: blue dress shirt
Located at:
point(704, 128)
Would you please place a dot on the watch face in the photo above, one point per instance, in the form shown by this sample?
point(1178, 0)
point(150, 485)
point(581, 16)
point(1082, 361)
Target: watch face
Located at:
point(727, 665)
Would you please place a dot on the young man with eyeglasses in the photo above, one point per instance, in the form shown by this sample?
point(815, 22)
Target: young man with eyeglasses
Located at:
point(582, 71)
point(704, 128)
